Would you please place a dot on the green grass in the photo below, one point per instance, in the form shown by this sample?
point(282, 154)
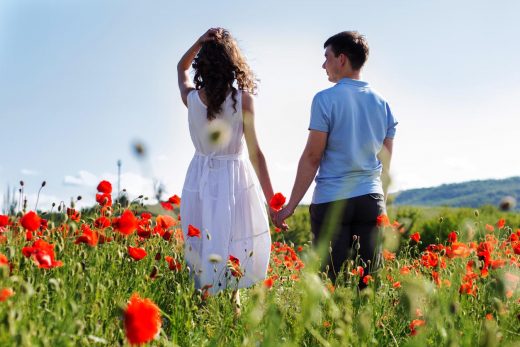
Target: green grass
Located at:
point(81, 303)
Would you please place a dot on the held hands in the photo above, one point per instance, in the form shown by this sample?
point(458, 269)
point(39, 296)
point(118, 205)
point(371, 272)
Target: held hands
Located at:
point(279, 217)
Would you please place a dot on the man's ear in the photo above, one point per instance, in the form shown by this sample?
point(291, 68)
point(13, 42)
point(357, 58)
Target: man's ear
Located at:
point(343, 59)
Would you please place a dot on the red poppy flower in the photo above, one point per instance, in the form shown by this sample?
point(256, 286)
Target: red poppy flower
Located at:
point(234, 266)
point(166, 205)
point(173, 264)
point(146, 215)
point(73, 214)
point(277, 201)
point(452, 237)
point(415, 237)
point(166, 221)
point(193, 232)
point(268, 283)
point(89, 237)
point(136, 253)
point(414, 324)
point(5, 294)
point(396, 284)
point(405, 270)
point(458, 249)
point(388, 256)
point(142, 320)
point(490, 228)
point(174, 200)
point(4, 221)
point(104, 187)
point(367, 279)
point(383, 221)
point(102, 222)
point(126, 224)
point(516, 247)
point(429, 259)
point(104, 199)
point(167, 235)
point(42, 253)
point(359, 271)
point(144, 231)
point(31, 221)
point(103, 239)
point(3, 260)
point(501, 223)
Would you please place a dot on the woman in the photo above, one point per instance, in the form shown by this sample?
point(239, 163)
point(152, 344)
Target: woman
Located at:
point(220, 197)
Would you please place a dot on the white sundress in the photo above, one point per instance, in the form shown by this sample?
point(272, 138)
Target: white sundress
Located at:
point(221, 197)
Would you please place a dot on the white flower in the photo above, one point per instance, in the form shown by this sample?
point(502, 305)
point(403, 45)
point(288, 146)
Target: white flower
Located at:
point(214, 258)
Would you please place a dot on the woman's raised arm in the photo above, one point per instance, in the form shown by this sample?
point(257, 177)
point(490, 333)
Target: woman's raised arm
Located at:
point(183, 67)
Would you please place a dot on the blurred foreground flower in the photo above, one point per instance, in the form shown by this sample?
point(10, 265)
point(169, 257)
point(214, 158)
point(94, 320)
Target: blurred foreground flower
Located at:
point(5, 294)
point(142, 320)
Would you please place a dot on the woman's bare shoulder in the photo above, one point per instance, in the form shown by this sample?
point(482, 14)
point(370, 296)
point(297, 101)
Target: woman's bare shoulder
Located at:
point(247, 102)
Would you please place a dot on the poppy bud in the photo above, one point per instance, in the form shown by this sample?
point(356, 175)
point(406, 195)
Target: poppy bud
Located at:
point(441, 219)
point(357, 246)
point(476, 213)
point(21, 183)
point(78, 198)
point(53, 204)
point(354, 237)
point(140, 196)
point(43, 184)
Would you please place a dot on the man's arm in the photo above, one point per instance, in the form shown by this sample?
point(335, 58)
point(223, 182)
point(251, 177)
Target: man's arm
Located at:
point(307, 168)
point(385, 156)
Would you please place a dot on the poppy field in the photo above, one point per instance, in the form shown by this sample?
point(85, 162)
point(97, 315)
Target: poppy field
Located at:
point(114, 275)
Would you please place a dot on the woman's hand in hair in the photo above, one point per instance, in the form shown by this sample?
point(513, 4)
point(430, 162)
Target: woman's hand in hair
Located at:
point(210, 35)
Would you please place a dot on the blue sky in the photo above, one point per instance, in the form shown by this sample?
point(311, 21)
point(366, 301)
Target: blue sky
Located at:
point(83, 80)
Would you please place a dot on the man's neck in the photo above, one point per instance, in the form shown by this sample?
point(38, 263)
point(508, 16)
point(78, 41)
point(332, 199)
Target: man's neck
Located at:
point(353, 75)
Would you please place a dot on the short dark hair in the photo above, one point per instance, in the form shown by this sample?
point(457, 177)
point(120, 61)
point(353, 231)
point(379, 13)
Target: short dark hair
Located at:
point(352, 44)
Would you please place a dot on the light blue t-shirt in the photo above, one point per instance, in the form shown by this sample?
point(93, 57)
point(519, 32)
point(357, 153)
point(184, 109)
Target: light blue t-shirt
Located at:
point(357, 121)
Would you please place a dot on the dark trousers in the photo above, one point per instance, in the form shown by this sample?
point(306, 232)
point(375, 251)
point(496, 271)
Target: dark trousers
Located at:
point(350, 221)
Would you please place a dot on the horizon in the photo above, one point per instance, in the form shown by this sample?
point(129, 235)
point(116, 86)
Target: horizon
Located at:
point(83, 83)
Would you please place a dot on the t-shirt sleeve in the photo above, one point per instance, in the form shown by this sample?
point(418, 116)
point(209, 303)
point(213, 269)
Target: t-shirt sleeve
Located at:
point(320, 116)
point(391, 123)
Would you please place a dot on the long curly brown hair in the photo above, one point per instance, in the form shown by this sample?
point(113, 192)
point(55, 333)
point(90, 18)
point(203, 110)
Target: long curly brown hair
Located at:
point(217, 66)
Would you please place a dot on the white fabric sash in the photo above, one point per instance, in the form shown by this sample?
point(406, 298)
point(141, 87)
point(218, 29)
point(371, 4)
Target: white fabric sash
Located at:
point(208, 164)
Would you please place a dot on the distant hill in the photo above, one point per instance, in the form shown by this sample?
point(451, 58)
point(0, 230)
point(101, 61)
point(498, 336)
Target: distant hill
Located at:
point(466, 194)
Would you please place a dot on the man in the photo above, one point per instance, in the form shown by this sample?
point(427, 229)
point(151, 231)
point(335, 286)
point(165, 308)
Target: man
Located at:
point(350, 140)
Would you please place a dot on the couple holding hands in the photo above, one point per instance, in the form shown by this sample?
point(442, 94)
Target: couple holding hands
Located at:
point(348, 154)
